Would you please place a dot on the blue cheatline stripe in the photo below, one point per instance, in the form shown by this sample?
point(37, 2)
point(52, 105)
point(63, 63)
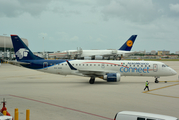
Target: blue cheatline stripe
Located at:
point(39, 64)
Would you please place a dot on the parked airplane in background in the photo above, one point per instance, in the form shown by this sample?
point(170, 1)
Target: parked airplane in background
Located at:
point(109, 70)
point(99, 54)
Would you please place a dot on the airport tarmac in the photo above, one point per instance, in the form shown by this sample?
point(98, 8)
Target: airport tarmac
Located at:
point(55, 97)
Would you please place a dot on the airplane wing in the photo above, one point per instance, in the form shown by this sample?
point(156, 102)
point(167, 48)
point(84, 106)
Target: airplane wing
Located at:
point(93, 72)
point(96, 73)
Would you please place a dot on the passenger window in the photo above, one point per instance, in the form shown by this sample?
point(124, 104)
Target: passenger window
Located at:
point(134, 65)
point(65, 64)
point(76, 64)
point(149, 65)
point(86, 64)
point(62, 64)
point(141, 65)
point(79, 64)
point(118, 65)
point(90, 65)
point(94, 64)
point(139, 118)
point(137, 65)
point(98, 64)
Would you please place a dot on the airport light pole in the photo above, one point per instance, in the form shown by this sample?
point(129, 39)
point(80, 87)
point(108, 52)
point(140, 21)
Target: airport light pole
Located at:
point(43, 48)
point(4, 44)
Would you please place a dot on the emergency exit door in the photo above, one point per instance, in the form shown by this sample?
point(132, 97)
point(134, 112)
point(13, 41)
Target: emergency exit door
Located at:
point(155, 67)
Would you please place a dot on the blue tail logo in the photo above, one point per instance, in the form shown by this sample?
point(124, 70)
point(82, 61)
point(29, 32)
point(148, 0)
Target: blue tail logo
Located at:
point(22, 53)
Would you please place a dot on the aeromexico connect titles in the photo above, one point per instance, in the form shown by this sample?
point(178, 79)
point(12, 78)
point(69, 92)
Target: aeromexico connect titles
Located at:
point(108, 70)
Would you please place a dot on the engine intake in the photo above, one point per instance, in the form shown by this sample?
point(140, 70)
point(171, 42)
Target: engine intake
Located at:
point(112, 77)
point(87, 58)
point(98, 57)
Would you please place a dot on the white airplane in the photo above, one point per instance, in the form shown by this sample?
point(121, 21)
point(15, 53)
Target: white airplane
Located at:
point(100, 54)
point(109, 70)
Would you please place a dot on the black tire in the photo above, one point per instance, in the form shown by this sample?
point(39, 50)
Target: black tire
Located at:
point(91, 81)
point(156, 81)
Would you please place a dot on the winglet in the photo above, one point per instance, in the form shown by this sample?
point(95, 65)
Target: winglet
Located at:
point(127, 46)
point(71, 67)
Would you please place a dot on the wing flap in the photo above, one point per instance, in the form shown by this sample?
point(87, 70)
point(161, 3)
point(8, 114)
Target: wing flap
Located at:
point(96, 73)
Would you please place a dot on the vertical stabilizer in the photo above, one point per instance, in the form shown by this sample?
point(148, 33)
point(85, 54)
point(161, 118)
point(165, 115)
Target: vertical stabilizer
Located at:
point(127, 46)
point(22, 52)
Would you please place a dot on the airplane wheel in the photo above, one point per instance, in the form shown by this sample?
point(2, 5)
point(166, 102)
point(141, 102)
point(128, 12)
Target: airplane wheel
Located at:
point(91, 81)
point(156, 81)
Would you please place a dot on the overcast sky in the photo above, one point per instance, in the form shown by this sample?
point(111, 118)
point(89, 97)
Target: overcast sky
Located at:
point(92, 24)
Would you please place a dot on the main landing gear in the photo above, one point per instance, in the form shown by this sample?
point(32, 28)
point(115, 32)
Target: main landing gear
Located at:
point(92, 80)
point(156, 80)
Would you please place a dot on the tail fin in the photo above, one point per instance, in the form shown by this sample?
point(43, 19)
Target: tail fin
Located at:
point(127, 46)
point(22, 52)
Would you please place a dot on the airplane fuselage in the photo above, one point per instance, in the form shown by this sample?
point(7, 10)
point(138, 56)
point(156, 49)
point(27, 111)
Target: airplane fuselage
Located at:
point(90, 53)
point(124, 68)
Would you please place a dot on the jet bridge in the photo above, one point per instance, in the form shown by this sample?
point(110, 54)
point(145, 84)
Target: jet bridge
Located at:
point(68, 54)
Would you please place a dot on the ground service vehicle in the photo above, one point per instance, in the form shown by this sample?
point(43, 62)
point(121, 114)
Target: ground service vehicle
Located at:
point(132, 115)
point(2, 117)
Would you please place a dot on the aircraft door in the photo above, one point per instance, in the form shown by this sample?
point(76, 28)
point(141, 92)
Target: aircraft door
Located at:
point(103, 66)
point(45, 65)
point(155, 67)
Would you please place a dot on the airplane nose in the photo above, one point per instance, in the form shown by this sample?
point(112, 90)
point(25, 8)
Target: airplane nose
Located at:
point(174, 72)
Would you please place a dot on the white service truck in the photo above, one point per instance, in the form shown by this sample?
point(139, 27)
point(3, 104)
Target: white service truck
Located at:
point(131, 115)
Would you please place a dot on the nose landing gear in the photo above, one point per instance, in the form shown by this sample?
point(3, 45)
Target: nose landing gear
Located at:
point(156, 80)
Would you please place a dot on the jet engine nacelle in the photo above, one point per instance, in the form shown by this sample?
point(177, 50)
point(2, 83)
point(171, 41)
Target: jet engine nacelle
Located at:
point(112, 77)
point(87, 58)
point(98, 57)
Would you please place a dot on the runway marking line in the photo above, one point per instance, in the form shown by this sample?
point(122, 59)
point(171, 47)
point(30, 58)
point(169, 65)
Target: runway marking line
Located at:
point(19, 76)
point(62, 107)
point(170, 81)
point(147, 92)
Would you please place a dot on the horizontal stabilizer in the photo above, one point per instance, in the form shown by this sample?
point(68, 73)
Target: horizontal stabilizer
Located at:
point(18, 63)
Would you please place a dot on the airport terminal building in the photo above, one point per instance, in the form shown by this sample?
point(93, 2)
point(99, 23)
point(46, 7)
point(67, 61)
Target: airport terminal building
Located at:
point(6, 47)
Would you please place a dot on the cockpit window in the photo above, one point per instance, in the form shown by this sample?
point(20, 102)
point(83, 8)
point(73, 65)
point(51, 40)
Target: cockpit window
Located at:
point(164, 65)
